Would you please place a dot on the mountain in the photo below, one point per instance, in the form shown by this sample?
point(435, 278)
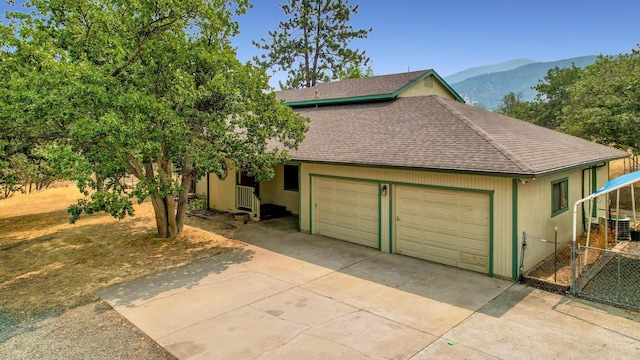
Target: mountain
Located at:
point(487, 69)
point(487, 90)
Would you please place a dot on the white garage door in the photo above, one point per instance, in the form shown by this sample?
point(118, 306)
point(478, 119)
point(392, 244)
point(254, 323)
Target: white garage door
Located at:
point(347, 210)
point(448, 227)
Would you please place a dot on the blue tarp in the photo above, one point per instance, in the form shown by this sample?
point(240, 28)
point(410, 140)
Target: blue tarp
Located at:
point(619, 182)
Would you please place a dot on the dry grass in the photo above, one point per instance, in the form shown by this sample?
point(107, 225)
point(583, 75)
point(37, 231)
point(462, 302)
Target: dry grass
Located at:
point(557, 269)
point(48, 265)
point(621, 167)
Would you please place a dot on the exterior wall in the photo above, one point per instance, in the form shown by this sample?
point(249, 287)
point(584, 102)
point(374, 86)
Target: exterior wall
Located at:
point(428, 86)
point(222, 193)
point(201, 187)
point(273, 192)
point(535, 215)
point(500, 190)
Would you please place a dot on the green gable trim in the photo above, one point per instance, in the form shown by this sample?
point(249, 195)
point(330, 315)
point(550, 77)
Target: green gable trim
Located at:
point(435, 75)
point(352, 99)
point(376, 97)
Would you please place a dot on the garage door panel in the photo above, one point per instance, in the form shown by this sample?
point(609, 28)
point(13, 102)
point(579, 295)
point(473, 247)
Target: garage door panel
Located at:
point(411, 248)
point(473, 230)
point(370, 213)
point(440, 196)
point(477, 200)
point(409, 206)
point(346, 197)
point(449, 227)
point(474, 214)
point(409, 234)
point(324, 228)
point(327, 217)
point(325, 205)
point(414, 220)
point(473, 262)
point(369, 201)
point(408, 192)
point(369, 225)
point(440, 210)
point(441, 225)
point(443, 240)
point(440, 255)
point(347, 210)
point(474, 246)
point(350, 210)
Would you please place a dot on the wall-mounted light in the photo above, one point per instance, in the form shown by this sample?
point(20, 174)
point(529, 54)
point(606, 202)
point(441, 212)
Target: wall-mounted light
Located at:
point(383, 190)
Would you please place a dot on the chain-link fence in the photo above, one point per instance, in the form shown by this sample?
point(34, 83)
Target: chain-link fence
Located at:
point(545, 263)
point(607, 270)
point(609, 276)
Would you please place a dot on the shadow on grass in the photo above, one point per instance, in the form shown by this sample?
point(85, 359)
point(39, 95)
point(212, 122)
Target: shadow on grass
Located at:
point(48, 266)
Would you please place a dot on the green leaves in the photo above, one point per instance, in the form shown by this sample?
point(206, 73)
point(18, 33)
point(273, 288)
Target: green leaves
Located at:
point(312, 45)
point(600, 103)
point(151, 89)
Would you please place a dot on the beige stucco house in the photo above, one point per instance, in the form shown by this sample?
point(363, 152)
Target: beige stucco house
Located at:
point(399, 163)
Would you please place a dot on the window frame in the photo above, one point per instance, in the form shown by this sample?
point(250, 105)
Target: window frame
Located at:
point(557, 206)
point(289, 173)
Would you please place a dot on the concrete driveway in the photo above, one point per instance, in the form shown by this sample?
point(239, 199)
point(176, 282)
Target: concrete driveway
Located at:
point(289, 295)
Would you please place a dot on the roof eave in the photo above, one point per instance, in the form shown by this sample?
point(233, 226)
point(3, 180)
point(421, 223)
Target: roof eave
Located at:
point(506, 174)
point(350, 99)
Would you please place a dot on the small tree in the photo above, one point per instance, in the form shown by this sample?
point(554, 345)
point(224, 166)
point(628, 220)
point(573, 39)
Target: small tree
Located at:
point(312, 44)
point(553, 95)
point(514, 106)
point(151, 89)
point(604, 104)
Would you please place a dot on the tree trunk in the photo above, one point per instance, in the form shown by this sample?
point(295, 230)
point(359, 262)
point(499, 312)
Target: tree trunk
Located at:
point(187, 175)
point(160, 211)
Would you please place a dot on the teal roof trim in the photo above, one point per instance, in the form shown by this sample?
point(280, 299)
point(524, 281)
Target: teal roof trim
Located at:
point(377, 97)
point(341, 100)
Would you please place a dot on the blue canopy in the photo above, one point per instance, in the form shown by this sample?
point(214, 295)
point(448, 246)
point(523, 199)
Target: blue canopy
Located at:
point(619, 182)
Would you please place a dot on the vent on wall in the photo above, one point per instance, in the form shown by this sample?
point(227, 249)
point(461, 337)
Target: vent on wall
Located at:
point(428, 82)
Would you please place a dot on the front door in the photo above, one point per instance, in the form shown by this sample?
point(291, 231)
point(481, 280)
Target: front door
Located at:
point(250, 181)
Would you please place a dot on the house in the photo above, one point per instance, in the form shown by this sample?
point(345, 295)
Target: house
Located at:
point(401, 164)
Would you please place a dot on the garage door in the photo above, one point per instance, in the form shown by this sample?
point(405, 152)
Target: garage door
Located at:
point(347, 210)
point(448, 227)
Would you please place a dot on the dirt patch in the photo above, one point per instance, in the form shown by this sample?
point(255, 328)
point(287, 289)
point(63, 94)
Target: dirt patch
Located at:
point(48, 266)
point(554, 272)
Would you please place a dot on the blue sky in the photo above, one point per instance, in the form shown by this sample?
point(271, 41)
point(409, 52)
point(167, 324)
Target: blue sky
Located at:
point(451, 36)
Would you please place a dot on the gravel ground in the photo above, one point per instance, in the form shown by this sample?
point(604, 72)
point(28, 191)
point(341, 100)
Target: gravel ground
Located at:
point(618, 282)
point(93, 331)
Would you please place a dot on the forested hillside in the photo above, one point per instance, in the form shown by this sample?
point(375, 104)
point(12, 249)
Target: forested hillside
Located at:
point(487, 90)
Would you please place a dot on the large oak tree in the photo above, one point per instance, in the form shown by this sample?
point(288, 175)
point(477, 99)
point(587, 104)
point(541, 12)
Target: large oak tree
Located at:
point(147, 88)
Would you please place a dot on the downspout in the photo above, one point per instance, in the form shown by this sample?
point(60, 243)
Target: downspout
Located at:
point(594, 187)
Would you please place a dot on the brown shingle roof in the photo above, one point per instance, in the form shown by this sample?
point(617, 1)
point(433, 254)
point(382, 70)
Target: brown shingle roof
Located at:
point(430, 132)
point(354, 88)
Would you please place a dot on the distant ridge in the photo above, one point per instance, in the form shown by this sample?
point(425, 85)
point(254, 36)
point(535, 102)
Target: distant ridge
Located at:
point(487, 90)
point(486, 69)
